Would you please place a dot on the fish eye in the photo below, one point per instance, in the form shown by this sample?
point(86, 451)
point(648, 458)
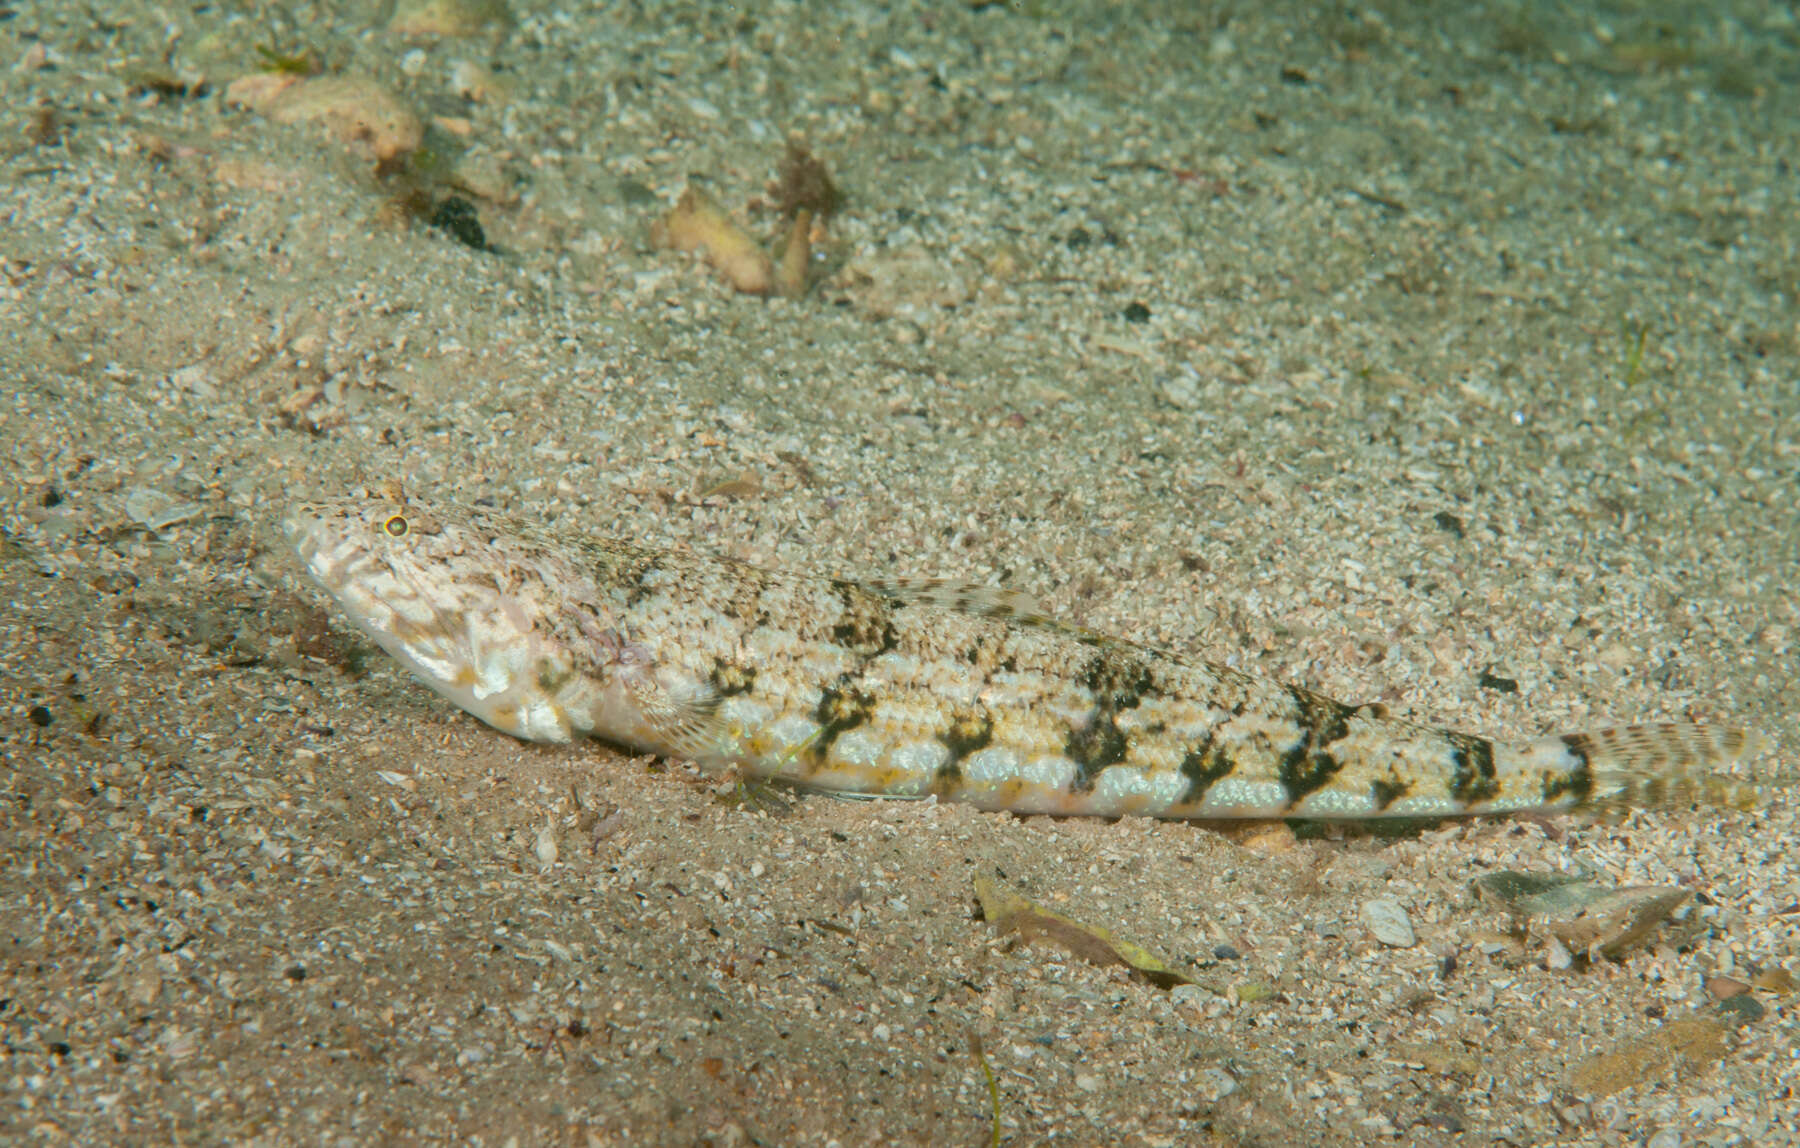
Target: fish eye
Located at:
point(396, 526)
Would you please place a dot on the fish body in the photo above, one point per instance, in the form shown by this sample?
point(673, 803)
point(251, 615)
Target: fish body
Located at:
point(909, 688)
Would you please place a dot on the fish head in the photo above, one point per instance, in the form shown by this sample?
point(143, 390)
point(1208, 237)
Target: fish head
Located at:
point(462, 599)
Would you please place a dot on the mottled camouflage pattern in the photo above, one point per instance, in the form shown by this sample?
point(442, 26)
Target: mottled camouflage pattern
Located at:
point(908, 688)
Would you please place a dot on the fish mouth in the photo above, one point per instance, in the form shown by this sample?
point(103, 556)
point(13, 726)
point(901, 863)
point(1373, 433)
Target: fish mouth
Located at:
point(301, 526)
point(350, 575)
point(381, 600)
point(326, 558)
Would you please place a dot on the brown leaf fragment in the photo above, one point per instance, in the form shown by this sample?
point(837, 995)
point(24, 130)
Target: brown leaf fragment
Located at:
point(432, 18)
point(1616, 921)
point(802, 466)
point(258, 90)
point(1775, 980)
point(698, 223)
point(745, 485)
point(1443, 1058)
point(1582, 914)
point(355, 109)
point(1012, 912)
point(1685, 1046)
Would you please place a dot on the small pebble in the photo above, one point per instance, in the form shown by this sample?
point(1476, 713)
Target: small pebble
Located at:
point(1742, 1009)
point(1388, 921)
point(194, 379)
point(474, 83)
point(447, 17)
point(1189, 996)
point(1181, 392)
point(1215, 1084)
point(156, 510)
point(1557, 955)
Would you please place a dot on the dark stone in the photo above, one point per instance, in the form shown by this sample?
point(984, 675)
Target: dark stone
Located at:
point(1491, 681)
point(457, 218)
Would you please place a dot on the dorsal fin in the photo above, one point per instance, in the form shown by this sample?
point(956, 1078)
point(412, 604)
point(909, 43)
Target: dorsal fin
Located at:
point(954, 594)
point(1014, 606)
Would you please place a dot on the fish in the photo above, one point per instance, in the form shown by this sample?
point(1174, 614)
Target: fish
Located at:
point(914, 688)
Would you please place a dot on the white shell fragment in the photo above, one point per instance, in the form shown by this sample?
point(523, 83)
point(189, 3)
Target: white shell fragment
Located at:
point(1388, 921)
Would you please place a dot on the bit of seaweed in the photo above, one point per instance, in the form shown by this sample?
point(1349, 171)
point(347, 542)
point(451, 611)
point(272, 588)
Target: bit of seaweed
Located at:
point(45, 128)
point(1012, 912)
point(755, 795)
point(795, 259)
point(161, 82)
point(302, 63)
point(993, 1085)
point(1636, 335)
point(806, 185)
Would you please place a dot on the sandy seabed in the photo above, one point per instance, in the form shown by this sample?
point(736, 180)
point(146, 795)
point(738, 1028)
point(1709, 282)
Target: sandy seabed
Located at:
point(1442, 358)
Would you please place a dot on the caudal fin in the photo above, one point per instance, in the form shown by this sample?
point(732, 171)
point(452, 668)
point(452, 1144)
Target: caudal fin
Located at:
point(1654, 765)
